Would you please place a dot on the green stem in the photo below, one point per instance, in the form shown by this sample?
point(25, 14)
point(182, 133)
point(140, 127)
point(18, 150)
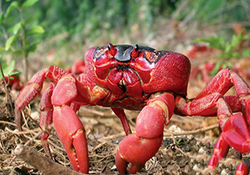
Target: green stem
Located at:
point(24, 53)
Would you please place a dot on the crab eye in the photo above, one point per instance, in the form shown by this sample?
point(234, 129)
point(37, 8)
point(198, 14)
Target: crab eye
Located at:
point(112, 51)
point(135, 51)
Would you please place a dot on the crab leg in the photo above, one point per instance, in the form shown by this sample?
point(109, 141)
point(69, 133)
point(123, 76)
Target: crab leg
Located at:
point(56, 100)
point(210, 101)
point(46, 117)
point(140, 147)
point(120, 113)
point(28, 93)
point(33, 88)
point(242, 169)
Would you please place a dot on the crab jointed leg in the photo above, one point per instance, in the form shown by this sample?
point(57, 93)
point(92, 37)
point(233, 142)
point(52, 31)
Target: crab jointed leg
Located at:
point(140, 147)
point(56, 101)
point(234, 126)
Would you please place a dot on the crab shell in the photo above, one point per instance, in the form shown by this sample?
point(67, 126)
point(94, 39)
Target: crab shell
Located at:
point(151, 71)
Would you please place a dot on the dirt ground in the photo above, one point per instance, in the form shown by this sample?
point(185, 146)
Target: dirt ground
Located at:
point(187, 145)
point(186, 148)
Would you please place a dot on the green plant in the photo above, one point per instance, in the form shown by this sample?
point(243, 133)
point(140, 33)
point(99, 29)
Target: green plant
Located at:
point(21, 37)
point(229, 49)
point(212, 12)
point(8, 70)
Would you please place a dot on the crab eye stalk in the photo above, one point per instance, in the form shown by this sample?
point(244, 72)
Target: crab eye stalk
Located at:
point(111, 50)
point(135, 52)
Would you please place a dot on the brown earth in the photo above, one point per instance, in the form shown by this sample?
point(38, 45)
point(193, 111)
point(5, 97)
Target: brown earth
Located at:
point(187, 146)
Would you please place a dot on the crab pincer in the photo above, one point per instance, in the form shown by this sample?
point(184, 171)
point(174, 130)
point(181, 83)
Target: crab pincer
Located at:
point(140, 147)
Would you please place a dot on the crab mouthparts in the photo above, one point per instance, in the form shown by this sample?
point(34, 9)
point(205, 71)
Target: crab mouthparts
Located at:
point(122, 84)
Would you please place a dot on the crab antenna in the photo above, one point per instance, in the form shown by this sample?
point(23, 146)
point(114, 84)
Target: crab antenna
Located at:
point(135, 51)
point(112, 50)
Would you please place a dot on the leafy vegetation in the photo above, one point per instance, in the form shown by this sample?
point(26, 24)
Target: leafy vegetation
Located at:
point(229, 49)
point(8, 70)
point(20, 35)
point(94, 16)
point(213, 11)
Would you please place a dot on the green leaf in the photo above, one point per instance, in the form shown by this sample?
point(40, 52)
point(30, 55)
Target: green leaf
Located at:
point(214, 42)
point(28, 20)
point(18, 52)
point(32, 48)
point(229, 64)
point(245, 37)
point(10, 41)
point(235, 54)
point(7, 69)
point(13, 6)
point(228, 48)
point(17, 28)
point(2, 18)
point(246, 53)
point(235, 40)
point(35, 30)
point(15, 73)
point(2, 49)
point(29, 3)
point(216, 68)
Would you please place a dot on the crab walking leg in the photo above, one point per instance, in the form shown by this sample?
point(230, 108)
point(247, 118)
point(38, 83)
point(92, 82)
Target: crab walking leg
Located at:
point(33, 88)
point(235, 127)
point(28, 93)
point(210, 101)
point(220, 151)
point(120, 113)
point(140, 147)
point(242, 169)
point(46, 117)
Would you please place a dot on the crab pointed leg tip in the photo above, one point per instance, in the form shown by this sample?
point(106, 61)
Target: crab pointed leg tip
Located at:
point(210, 167)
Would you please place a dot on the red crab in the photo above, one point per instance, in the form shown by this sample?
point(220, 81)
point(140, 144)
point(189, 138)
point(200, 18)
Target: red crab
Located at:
point(13, 82)
point(137, 78)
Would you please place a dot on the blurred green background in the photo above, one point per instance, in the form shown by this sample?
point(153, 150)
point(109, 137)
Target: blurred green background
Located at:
point(89, 18)
point(71, 27)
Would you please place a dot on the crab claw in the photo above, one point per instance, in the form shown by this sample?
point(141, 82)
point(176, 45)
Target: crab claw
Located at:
point(137, 151)
point(138, 148)
point(72, 136)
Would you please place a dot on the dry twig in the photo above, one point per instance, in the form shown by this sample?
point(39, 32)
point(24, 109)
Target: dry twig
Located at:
point(41, 162)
